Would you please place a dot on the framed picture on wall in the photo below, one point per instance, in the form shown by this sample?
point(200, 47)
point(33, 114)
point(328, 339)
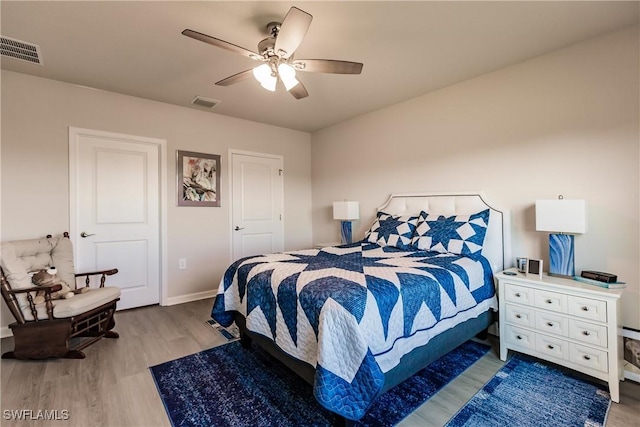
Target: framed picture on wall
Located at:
point(198, 181)
point(631, 345)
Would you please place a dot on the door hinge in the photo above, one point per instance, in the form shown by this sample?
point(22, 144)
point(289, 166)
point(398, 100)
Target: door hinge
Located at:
point(280, 172)
point(280, 217)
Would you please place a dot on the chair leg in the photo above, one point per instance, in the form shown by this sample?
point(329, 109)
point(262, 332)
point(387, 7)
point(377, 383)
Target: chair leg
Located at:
point(111, 334)
point(74, 354)
point(9, 355)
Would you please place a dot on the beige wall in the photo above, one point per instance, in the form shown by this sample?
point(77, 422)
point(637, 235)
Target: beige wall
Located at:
point(36, 115)
point(563, 123)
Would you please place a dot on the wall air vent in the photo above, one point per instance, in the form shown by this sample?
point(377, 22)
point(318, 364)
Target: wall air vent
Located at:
point(201, 101)
point(23, 51)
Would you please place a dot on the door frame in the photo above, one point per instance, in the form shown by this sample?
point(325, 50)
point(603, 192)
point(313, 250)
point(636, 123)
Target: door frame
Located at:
point(161, 144)
point(231, 152)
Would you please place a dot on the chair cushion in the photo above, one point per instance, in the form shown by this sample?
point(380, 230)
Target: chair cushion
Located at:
point(20, 257)
point(80, 303)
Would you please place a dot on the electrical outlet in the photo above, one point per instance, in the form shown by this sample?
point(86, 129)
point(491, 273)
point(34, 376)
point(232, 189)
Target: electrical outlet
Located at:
point(182, 263)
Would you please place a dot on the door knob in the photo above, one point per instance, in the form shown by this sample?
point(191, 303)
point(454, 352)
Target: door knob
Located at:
point(83, 234)
point(238, 228)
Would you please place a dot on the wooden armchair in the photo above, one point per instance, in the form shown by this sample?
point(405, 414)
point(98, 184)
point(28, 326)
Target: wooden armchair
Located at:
point(53, 328)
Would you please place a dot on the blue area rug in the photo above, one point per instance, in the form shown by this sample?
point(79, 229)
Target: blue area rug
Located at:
point(233, 386)
point(526, 392)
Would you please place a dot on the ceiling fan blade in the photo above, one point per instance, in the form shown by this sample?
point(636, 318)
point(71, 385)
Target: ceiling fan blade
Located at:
point(293, 29)
point(235, 78)
point(328, 66)
point(299, 91)
point(220, 43)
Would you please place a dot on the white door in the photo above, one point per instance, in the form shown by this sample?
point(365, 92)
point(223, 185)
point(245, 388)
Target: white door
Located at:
point(115, 211)
point(256, 204)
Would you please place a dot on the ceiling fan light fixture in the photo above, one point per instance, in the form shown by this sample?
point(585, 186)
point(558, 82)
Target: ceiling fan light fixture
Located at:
point(276, 52)
point(288, 76)
point(265, 77)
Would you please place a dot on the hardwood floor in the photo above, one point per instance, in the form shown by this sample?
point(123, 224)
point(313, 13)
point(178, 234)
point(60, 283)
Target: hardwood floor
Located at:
point(113, 386)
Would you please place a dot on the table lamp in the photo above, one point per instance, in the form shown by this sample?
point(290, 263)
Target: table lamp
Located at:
point(561, 217)
point(346, 212)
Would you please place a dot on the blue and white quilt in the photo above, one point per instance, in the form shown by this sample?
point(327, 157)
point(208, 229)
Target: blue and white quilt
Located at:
point(353, 311)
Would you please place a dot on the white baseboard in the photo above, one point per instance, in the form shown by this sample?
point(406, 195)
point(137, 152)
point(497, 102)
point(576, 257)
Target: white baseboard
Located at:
point(5, 332)
point(190, 297)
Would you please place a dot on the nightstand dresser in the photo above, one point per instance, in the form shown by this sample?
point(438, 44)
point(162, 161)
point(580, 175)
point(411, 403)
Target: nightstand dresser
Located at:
point(563, 321)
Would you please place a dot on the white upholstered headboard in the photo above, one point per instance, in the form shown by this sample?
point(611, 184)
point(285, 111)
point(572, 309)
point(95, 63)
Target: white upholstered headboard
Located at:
point(497, 244)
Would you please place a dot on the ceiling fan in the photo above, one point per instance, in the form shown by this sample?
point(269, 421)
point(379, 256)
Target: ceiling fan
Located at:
point(276, 54)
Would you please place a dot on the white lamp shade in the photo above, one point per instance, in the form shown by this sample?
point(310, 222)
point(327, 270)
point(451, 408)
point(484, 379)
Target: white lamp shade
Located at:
point(346, 211)
point(264, 75)
point(288, 76)
point(561, 216)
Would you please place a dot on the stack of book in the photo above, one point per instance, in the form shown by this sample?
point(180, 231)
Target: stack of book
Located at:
point(603, 280)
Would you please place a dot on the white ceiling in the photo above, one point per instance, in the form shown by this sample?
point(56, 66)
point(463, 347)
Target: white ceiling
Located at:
point(408, 48)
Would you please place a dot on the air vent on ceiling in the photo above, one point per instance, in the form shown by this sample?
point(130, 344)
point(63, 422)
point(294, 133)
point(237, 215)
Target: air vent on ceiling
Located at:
point(23, 51)
point(201, 101)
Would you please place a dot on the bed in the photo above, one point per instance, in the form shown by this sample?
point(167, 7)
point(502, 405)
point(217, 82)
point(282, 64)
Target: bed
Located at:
point(355, 320)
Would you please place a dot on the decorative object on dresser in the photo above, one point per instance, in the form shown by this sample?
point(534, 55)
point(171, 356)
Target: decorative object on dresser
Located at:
point(565, 322)
point(346, 212)
point(534, 267)
point(599, 275)
point(559, 217)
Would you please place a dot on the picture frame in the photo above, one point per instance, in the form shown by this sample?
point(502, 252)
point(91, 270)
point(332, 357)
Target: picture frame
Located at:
point(631, 350)
point(521, 264)
point(534, 267)
point(198, 179)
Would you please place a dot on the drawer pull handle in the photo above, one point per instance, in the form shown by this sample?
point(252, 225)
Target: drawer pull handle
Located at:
point(519, 316)
point(585, 308)
point(586, 357)
point(519, 337)
point(549, 301)
point(517, 294)
point(550, 347)
point(586, 333)
point(550, 324)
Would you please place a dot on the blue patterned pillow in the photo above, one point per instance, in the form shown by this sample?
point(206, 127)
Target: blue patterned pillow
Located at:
point(460, 234)
point(392, 230)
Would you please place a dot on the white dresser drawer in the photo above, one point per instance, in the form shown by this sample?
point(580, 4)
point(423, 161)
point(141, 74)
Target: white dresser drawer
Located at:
point(519, 294)
point(587, 308)
point(517, 337)
point(552, 346)
point(518, 315)
point(588, 333)
point(551, 323)
point(549, 300)
point(589, 357)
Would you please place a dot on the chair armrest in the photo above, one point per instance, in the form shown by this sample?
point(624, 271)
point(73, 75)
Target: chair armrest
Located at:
point(93, 273)
point(46, 288)
point(103, 273)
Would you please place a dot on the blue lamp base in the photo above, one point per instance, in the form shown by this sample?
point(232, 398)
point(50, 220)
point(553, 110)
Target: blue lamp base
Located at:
point(561, 255)
point(345, 232)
